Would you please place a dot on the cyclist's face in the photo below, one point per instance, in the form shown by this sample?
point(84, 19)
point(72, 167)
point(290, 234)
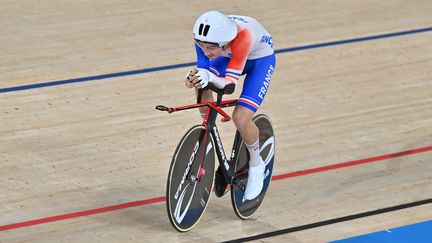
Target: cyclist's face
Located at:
point(210, 50)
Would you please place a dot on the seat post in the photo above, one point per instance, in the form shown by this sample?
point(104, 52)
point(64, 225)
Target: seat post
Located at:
point(214, 113)
point(199, 96)
point(219, 99)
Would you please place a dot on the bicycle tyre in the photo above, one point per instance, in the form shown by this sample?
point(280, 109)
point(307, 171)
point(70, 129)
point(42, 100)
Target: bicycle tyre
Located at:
point(246, 209)
point(186, 197)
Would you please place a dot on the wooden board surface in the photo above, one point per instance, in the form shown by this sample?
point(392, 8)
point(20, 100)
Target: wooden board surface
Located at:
point(88, 145)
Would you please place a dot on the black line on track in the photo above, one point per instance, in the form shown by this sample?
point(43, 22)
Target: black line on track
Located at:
point(332, 221)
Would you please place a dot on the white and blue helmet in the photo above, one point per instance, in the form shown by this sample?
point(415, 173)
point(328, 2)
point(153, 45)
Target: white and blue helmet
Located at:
point(214, 27)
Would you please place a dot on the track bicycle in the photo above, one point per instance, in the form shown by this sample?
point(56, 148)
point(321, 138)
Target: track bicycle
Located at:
point(192, 171)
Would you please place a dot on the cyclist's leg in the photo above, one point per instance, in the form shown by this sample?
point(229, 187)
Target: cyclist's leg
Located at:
point(255, 88)
point(242, 117)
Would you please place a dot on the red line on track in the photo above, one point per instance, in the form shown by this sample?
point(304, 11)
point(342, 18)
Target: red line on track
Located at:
point(351, 163)
point(162, 199)
point(82, 213)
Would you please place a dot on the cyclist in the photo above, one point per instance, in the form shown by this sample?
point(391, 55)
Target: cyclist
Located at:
point(228, 47)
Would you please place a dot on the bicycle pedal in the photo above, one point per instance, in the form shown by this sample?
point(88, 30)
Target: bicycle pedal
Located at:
point(219, 192)
point(220, 184)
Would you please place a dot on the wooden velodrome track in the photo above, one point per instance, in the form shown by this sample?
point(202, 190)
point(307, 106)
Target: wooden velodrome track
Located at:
point(87, 161)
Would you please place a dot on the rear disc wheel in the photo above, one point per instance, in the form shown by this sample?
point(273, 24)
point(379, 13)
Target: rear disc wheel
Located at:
point(245, 209)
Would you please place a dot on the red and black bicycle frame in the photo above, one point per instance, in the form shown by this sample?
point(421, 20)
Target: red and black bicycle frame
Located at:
point(209, 122)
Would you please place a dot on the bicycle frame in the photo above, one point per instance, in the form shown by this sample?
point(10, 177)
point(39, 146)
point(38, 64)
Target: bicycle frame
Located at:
point(209, 122)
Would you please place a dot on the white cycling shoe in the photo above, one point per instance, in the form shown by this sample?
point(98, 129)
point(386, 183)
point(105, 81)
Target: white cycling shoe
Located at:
point(255, 181)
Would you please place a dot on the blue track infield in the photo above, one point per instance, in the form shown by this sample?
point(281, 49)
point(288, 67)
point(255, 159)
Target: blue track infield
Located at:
point(415, 233)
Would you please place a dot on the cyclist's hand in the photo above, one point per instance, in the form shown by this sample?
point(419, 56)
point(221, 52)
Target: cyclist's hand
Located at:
point(190, 78)
point(203, 78)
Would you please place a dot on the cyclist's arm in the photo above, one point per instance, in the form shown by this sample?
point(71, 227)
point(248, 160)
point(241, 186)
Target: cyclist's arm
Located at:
point(240, 48)
point(202, 60)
